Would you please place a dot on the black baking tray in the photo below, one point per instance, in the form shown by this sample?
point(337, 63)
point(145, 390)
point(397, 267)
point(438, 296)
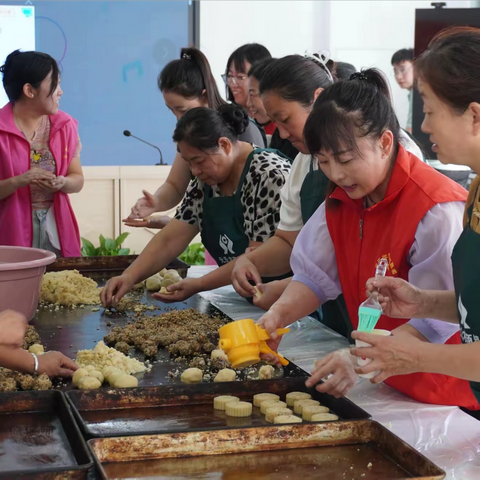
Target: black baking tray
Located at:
point(184, 408)
point(111, 264)
point(39, 437)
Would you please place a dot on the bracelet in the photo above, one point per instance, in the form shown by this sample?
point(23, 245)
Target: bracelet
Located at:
point(35, 359)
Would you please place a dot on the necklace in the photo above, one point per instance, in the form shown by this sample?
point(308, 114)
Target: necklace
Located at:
point(29, 135)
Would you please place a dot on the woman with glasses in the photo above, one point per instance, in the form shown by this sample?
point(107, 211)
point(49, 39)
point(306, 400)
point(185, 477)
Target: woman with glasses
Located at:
point(185, 83)
point(236, 73)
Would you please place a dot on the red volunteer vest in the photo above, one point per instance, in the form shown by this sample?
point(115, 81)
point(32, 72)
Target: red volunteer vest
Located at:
point(387, 229)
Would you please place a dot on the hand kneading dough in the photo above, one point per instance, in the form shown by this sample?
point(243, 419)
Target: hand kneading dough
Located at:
point(89, 383)
point(81, 372)
point(192, 375)
point(164, 291)
point(125, 381)
point(153, 283)
point(225, 375)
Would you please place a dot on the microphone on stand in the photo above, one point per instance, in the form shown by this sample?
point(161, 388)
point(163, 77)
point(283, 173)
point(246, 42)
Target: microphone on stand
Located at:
point(127, 133)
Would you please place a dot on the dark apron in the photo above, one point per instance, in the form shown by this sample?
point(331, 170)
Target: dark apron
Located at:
point(223, 232)
point(466, 274)
point(334, 313)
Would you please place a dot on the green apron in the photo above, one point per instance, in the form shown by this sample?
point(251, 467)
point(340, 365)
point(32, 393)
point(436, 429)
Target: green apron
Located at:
point(223, 232)
point(334, 313)
point(466, 274)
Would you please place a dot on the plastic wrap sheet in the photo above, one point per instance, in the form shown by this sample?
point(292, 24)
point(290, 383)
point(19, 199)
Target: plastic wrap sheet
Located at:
point(446, 435)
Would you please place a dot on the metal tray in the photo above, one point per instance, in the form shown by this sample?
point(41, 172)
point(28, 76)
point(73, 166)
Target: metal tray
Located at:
point(184, 408)
point(334, 451)
point(70, 330)
point(39, 437)
point(113, 265)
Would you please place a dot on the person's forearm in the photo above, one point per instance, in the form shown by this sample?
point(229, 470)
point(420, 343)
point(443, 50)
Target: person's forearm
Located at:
point(73, 183)
point(159, 252)
point(407, 330)
point(167, 197)
point(8, 187)
point(272, 258)
point(220, 277)
point(17, 359)
point(439, 304)
point(460, 361)
point(296, 302)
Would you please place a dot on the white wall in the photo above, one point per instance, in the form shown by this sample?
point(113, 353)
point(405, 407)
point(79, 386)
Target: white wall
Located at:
point(284, 27)
point(365, 33)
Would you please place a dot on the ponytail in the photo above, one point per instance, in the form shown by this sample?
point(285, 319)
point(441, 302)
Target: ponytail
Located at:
point(190, 77)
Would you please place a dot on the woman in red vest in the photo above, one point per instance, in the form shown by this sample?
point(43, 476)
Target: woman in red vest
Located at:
point(448, 74)
point(383, 202)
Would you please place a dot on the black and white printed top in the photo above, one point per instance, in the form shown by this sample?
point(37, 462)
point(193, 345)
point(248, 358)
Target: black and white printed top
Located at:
point(260, 196)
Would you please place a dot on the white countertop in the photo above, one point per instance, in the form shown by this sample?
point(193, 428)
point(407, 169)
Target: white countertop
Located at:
point(446, 435)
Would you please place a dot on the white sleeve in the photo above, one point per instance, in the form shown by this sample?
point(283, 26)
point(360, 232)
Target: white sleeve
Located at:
point(313, 259)
point(290, 210)
point(431, 264)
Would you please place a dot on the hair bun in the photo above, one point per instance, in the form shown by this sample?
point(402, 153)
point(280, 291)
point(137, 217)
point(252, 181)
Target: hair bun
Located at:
point(235, 117)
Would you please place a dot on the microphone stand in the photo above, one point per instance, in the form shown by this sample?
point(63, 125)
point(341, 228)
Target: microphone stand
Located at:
point(127, 133)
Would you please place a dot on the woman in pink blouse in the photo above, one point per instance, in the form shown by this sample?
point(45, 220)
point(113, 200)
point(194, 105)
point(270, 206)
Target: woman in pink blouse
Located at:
point(39, 158)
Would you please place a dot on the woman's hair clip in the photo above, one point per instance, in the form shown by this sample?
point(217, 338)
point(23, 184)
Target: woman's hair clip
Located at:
point(186, 56)
point(359, 76)
point(321, 59)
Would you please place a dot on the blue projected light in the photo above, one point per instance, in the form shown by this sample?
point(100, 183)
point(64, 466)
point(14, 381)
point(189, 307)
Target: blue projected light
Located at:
point(110, 55)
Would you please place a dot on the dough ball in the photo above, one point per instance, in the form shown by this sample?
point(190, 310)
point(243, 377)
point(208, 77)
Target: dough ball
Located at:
point(97, 374)
point(192, 375)
point(139, 285)
point(89, 383)
point(172, 274)
point(90, 368)
point(37, 349)
point(154, 283)
point(225, 375)
point(42, 382)
point(166, 282)
point(125, 381)
point(164, 291)
point(108, 370)
point(112, 378)
point(163, 272)
point(219, 353)
point(81, 372)
point(266, 372)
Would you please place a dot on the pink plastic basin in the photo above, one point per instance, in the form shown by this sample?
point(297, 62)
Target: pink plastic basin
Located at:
point(21, 271)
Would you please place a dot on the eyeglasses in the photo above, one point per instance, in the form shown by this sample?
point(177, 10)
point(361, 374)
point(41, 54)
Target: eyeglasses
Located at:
point(234, 79)
point(402, 70)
